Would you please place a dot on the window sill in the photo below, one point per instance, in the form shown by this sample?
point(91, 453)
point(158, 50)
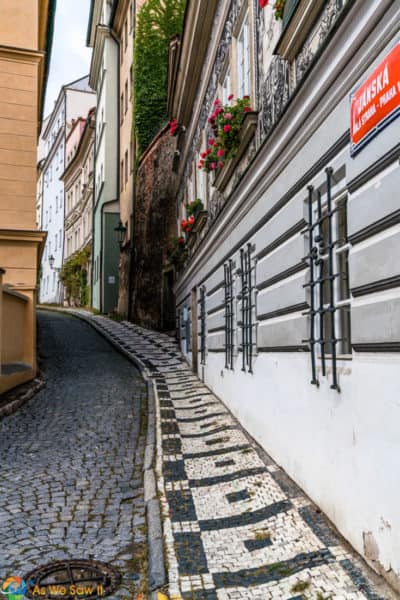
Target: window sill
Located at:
point(298, 27)
point(247, 132)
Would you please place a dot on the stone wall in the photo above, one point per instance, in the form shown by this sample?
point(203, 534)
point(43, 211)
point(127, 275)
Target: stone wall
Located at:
point(154, 229)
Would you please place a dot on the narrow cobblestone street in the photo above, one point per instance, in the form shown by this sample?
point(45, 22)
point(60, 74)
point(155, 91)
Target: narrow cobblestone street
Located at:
point(71, 459)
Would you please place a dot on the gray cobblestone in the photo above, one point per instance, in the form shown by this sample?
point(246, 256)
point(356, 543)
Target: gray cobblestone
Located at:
point(69, 453)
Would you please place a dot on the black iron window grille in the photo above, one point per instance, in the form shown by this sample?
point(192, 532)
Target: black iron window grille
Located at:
point(248, 306)
point(188, 328)
point(203, 325)
point(229, 314)
point(328, 285)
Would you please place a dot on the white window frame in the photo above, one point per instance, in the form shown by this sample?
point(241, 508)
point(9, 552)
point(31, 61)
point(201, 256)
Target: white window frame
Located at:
point(243, 58)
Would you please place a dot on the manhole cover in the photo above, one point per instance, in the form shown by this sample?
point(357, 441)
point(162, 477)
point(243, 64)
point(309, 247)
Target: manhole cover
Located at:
point(72, 579)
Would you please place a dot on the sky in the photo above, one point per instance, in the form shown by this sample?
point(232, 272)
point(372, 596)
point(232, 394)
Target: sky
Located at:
point(70, 57)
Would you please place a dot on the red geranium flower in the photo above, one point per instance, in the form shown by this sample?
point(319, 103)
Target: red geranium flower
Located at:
point(211, 142)
point(263, 3)
point(230, 97)
point(227, 128)
point(173, 127)
point(247, 109)
point(221, 152)
point(220, 164)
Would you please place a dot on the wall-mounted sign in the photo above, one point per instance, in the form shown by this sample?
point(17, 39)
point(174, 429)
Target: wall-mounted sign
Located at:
point(111, 279)
point(377, 101)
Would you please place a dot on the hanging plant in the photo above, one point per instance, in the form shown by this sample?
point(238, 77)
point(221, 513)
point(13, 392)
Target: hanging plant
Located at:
point(279, 6)
point(173, 127)
point(178, 252)
point(193, 208)
point(226, 123)
point(187, 224)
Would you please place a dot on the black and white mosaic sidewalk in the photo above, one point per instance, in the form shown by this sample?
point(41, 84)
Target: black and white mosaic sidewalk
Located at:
point(235, 525)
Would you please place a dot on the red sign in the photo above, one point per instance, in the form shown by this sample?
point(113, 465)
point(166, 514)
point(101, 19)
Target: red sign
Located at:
point(377, 100)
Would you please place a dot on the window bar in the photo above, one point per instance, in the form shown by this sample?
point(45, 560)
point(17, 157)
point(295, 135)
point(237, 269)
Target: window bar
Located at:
point(226, 314)
point(244, 308)
point(320, 262)
point(203, 325)
point(312, 284)
point(250, 308)
point(332, 308)
point(231, 344)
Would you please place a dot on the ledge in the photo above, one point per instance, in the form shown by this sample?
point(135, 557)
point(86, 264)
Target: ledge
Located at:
point(247, 131)
point(297, 28)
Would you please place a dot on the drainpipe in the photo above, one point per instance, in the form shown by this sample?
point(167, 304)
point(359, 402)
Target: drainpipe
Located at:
point(132, 249)
point(118, 42)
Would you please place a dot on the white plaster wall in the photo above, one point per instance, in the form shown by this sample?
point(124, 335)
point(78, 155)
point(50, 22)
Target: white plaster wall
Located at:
point(342, 449)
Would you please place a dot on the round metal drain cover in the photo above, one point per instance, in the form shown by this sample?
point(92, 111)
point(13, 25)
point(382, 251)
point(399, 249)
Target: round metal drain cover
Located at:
point(72, 579)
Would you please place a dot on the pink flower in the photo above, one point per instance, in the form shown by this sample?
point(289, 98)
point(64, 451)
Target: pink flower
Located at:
point(227, 128)
point(221, 152)
point(218, 111)
point(211, 142)
point(217, 102)
point(230, 97)
point(213, 165)
point(228, 116)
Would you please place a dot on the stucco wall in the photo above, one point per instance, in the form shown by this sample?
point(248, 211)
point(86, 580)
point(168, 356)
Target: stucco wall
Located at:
point(342, 448)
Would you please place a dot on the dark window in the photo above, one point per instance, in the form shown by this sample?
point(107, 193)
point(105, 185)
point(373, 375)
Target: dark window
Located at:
point(329, 289)
point(247, 302)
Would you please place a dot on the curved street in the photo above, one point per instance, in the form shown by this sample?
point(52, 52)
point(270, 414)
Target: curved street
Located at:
point(71, 458)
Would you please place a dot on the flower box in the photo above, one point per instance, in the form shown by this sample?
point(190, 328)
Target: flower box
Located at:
point(249, 126)
point(200, 221)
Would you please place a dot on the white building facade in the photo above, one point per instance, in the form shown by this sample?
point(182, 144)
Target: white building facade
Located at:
point(288, 305)
point(103, 78)
point(75, 99)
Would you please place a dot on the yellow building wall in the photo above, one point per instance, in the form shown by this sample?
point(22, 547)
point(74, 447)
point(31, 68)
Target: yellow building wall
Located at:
point(23, 30)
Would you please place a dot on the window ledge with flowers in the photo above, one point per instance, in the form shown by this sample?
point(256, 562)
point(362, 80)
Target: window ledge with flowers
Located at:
point(233, 127)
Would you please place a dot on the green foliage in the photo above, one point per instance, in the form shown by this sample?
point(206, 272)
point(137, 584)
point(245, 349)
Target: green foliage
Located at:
point(158, 22)
point(226, 123)
point(193, 208)
point(74, 277)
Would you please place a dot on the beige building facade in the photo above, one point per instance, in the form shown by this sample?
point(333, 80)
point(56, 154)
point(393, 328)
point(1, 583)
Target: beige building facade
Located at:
point(25, 43)
point(124, 22)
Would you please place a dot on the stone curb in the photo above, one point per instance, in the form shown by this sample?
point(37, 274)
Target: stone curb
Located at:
point(156, 568)
point(12, 406)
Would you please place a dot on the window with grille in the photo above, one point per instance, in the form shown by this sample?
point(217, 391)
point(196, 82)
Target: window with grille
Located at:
point(203, 325)
point(243, 59)
point(247, 307)
point(229, 314)
point(328, 285)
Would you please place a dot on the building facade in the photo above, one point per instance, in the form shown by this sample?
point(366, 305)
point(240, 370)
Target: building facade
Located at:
point(123, 23)
point(288, 299)
point(74, 100)
point(26, 28)
point(78, 185)
point(103, 78)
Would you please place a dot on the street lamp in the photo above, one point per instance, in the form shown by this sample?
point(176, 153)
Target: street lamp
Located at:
point(121, 231)
point(51, 263)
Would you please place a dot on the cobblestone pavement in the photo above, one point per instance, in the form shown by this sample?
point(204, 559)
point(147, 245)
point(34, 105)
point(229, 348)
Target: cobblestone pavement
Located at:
point(235, 525)
point(71, 459)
